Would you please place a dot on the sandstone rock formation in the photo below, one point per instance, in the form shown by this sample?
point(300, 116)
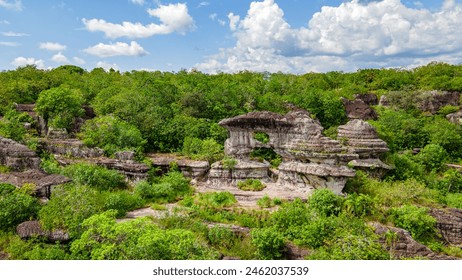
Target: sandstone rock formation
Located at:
point(195, 169)
point(449, 224)
point(432, 101)
point(42, 182)
point(455, 117)
point(310, 159)
point(31, 229)
point(362, 139)
point(368, 98)
point(16, 156)
point(69, 147)
point(401, 245)
point(358, 109)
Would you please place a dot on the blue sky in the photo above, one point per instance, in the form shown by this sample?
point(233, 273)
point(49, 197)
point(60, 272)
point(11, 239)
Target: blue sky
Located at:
point(228, 36)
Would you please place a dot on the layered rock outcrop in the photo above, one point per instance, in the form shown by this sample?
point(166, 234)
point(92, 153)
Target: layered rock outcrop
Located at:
point(359, 109)
point(17, 156)
point(449, 224)
point(361, 138)
point(196, 169)
point(42, 182)
point(32, 229)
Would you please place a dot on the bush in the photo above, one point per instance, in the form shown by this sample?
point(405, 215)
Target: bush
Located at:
point(454, 200)
point(168, 188)
point(265, 202)
point(15, 207)
point(198, 149)
point(221, 236)
point(358, 205)
point(251, 185)
point(122, 202)
point(94, 176)
point(415, 220)
point(269, 243)
point(218, 199)
point(325, 202)
point(432, 156)
point(112, 135)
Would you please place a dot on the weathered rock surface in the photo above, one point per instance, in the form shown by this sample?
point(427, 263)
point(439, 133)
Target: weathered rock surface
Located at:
point(401, 245)
point(455, 117)
point(432, 101)
point(358, 109)
point(362, 139)
point(449, 224)
point(69, 147)
point(31, 229)
point(42, 182)
point(196, 169)
point(17, 156)
point(368, 98)
point(310, 159)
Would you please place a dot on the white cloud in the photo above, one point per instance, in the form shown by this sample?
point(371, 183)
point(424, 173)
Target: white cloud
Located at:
point(173, 18)
point(11, 5)
point(78, 60)
point(60, 58)
point(222, 22)
point(117, 49)
point(49, 46)
point(213, 16)
point(107, 66)
point(203, 4)
point(9, 44)
point(138, 2)
point(356, 34)
point(14, 34)
point(23, 61)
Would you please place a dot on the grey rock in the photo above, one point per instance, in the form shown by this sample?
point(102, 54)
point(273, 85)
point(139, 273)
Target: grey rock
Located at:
point(449, 224)
point(17, 156)
point(32, 229)
point(455, 117)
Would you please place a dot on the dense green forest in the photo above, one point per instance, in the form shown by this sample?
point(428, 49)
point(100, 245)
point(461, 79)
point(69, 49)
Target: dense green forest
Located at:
point(179, 113)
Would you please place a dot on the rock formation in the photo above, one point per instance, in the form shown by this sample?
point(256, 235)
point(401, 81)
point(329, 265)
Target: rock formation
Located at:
point(310, 159)
point(16, 156)
point(455, 117)
point(359, 109)
point(449, 224)
point(69, 147)
point(42, 182)
point(362, 139)
point(195, 169)
point(31, 229)
point(432, 101)
point(401, 245)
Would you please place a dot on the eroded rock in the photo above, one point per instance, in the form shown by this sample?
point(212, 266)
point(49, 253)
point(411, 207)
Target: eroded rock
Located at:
point(32, 229)
point(17, 156)
point(449, 224)
point(358, 109)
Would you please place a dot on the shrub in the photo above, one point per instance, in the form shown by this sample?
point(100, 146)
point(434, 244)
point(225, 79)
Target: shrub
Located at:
point(221, 236)
point(198, 149)
point(122, 202)
point(15, 207)
point(94, 176)
point(454, 200)
point(432, 156)
point(251, 185)
point(265, 202)
point(358, 205)
point(168, 188)
point(218, 199)
point(325, 202)
point(269, 243)
point(415, 220)
point(112, 135)
point(228, 163)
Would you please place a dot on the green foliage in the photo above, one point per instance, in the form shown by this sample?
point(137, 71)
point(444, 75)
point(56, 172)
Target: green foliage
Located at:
point(445, 134)
point(138, 239)
point(405, 167)
point(325, 203)
point(168, 188)
point(228, 163)
point(122, 202)
point(218, 199)
point(359, 205)
point(69, 206)
point(59, 106)
point(448, 109)
point(262, 154)
point(261, 137)
point(49, 164)
point(15, 207)
point(265, 202)
point(4, 169)
point(251, 185)
point(112, 135)
point(414, 219)
point(198, 149)
point(432, 156)
point(12, 125)
point(94, 176)
point(269, 243)
point(35, 250)
point(221, 236)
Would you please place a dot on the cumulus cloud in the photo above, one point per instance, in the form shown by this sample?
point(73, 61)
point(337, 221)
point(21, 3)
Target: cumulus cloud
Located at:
point(14, 34)
point(23, 61)
point(11, 5)
point(54, 47)
point(107, 66)
point(172, 17)
point(117, 49)
point(138, 2)
point(60, 58)
point(356, 34)
point(9, 44)
point(78, 60)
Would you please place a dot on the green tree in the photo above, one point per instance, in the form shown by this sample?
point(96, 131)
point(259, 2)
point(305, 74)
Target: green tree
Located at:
point(59, 106)
point(15, 207)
